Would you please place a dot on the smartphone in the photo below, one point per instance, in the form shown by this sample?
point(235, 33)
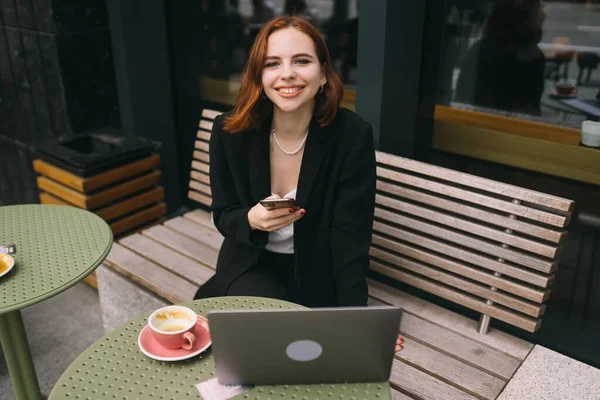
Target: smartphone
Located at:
point(280, 203)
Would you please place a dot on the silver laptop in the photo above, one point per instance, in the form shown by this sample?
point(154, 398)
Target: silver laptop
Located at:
point(323, 345)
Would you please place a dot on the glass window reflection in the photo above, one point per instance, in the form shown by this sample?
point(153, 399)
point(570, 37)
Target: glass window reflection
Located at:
point(528, 59)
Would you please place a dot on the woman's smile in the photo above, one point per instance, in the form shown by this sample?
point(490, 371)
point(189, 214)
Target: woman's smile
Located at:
point(290, 91)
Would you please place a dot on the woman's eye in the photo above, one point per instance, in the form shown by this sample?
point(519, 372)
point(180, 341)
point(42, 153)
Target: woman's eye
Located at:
point(271, 64)
point(303, 61)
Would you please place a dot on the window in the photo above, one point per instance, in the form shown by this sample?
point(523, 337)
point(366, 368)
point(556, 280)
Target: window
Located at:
point(526, 59)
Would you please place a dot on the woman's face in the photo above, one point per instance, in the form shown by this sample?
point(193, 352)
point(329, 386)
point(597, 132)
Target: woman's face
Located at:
point(292, 74)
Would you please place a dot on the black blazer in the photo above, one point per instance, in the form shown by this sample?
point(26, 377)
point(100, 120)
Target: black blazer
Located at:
point(336, 187)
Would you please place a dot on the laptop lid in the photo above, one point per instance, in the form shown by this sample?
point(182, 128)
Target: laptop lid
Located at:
point(326, 345)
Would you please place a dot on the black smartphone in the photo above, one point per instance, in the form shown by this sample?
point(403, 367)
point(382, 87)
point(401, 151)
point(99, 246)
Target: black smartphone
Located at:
point(280, 203)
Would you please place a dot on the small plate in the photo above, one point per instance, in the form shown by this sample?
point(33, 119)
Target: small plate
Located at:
point(9, 261)
point(150, 347)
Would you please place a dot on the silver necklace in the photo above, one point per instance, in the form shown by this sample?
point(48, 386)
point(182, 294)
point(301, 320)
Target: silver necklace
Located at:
point(290, 153)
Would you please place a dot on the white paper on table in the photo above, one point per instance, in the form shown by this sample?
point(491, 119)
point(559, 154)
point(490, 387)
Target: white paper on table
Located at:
point(213, 390)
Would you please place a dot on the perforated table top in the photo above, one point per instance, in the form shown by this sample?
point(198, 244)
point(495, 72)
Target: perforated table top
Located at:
point(57, 247)
point(115, 368)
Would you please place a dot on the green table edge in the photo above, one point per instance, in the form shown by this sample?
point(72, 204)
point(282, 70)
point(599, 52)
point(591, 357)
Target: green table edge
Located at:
point(73, 282)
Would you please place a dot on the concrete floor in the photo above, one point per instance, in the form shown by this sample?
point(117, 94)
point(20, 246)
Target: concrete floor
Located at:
point(58, 329)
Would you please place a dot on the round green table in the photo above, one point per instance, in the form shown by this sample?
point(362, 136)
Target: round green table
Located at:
point(57, 247)
point(115, 368)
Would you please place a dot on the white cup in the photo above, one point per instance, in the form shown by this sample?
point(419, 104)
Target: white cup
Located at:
point(590, 133)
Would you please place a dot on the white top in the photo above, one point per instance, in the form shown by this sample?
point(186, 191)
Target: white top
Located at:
point(282, 241)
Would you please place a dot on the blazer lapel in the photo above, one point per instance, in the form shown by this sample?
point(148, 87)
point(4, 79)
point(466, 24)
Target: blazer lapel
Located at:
point(260, 163)
point(314, 152)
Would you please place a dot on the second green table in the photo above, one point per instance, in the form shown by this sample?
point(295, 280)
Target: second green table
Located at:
point(115, 368)
point(57, 247)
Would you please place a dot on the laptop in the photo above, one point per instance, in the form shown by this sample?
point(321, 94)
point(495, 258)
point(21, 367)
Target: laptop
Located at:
point(590, 107)
point(309, 346)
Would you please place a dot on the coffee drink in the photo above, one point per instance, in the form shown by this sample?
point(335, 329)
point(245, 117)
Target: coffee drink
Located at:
point(172, 328)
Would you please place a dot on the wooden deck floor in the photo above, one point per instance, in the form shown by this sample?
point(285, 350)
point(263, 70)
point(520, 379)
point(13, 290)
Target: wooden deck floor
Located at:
point(443, 358)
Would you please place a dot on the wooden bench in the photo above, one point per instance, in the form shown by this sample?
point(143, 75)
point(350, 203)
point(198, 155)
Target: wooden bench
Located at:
point(485, 245)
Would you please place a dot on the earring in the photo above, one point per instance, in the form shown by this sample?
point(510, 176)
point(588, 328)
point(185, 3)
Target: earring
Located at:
point(322, 88)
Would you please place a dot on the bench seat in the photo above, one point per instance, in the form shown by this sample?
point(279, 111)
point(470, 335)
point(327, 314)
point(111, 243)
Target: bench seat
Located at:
point(444, 356)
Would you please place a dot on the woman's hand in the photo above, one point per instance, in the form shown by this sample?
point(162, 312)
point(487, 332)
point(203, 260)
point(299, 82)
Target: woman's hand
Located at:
point(399, 346)
point(271, 219)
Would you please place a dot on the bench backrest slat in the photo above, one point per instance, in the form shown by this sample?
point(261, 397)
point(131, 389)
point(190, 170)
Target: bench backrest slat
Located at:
point(202, 146)
point(488, 185)
point(471, 227)
point(419, 270)
point(201, 156)
point(465, 195)
point(474, 259)
point(461, 268)
point(201, 187)
point(455, 237)
point(473, 212)
point(210, 114)
point(486, 245)
point(200, 177)
point(464, 298)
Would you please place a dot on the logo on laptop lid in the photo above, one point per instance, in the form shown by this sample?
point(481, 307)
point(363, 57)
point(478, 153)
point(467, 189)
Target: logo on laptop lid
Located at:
point(304, 350)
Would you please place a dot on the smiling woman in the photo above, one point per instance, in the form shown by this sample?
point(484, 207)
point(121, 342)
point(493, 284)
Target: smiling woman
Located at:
point(288, 137)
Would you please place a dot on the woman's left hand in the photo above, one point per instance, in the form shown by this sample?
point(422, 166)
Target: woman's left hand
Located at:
point(399, 346)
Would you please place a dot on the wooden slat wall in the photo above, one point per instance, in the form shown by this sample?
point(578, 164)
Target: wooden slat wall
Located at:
point(138, 201)
point(127, 197)
point(483, 244)
point(96, 200)
point(85, 185)
point(199, 189)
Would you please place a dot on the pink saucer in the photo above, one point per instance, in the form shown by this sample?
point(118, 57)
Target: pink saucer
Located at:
point(150, 347)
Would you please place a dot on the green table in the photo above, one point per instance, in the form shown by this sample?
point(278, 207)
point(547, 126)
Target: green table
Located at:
point(57, 247)
point(115, 368)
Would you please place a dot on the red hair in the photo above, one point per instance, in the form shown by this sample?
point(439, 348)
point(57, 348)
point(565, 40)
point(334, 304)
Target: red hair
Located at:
point(250, 107)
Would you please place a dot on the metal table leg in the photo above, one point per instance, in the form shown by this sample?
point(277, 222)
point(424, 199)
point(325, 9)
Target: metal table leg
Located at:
point(18, 357)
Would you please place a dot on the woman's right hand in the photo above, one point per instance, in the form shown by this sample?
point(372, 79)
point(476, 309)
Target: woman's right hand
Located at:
point(271, 219)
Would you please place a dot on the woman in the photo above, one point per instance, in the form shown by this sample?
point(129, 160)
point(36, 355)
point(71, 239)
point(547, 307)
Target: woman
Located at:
point(288, 137)
point(505, 69)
